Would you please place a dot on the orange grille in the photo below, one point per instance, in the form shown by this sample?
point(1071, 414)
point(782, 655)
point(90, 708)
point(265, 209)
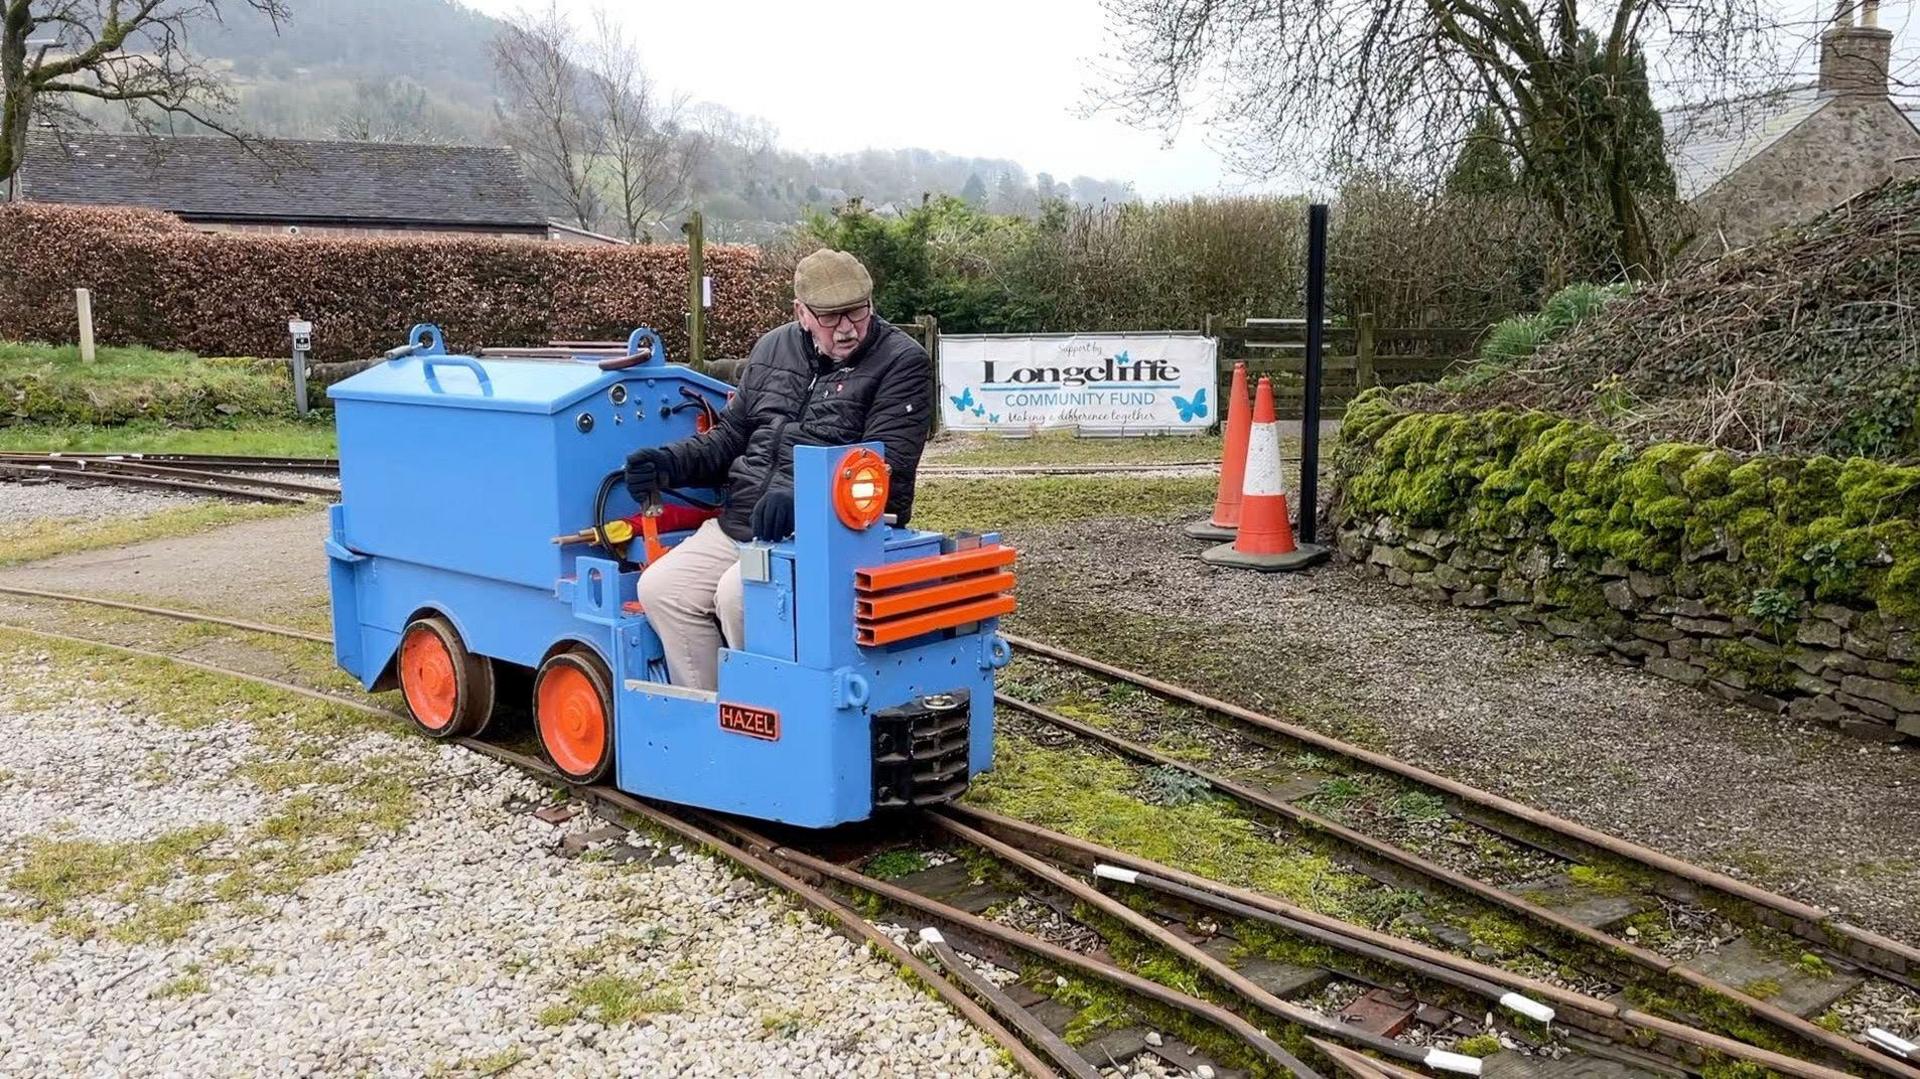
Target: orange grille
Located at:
point(906, 599)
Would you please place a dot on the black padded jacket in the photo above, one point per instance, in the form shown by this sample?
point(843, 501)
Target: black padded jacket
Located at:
point(791, 395)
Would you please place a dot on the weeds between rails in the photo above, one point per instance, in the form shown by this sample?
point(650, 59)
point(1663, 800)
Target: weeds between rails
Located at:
point(1566, 884)
point(1694, 1047)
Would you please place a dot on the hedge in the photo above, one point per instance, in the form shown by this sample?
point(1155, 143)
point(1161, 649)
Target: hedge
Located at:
point(163, 284)
point(1809, 529)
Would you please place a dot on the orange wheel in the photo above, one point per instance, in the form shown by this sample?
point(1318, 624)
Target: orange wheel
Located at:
point(573, 709)
point(449, 690)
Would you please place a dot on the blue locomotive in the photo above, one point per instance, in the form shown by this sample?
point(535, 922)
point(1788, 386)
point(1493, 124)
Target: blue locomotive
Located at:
point(482, 540)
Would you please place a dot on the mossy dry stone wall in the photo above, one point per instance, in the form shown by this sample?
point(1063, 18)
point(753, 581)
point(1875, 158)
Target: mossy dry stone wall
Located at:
point(1788, 584)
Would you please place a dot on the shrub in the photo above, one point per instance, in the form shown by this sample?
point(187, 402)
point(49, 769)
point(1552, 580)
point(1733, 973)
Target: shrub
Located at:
point(161, 284)
point(1409, 259)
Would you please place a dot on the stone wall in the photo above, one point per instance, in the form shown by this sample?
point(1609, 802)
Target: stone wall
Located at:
point(1843, 666)
point(1788, 583)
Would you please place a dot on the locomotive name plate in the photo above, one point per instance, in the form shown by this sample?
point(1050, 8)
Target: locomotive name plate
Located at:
point(750, 721)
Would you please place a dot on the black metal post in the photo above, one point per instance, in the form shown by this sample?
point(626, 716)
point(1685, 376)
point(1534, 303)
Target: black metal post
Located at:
point(1310, 402)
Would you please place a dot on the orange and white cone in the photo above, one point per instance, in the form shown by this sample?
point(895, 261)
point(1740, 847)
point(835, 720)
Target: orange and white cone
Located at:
point(1233, 466)
point(1265, 540)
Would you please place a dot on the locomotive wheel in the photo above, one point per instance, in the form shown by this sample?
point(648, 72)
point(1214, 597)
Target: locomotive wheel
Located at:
point(573, 711)
point(449, 690)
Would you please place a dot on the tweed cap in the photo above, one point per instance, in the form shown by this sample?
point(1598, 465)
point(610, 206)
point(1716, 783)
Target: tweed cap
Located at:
point(829, 281)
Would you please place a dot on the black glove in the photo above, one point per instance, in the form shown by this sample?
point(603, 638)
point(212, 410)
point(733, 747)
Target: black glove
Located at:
point(773, 516)
point(648, 470)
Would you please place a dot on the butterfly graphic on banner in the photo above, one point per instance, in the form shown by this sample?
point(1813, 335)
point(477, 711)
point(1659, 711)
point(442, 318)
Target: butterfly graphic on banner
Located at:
point(963, 402)
point(1195, 409)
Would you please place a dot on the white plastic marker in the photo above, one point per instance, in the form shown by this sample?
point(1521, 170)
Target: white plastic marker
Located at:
point(1453, 1062)
point(1892, 1043)
point(1528, 1007)
point(1114, 872)
point(932, 936)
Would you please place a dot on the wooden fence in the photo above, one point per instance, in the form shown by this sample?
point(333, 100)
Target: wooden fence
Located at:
point(1352, 358)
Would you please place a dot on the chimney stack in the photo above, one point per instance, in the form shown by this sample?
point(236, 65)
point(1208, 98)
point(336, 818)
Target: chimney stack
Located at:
point(1853, 59)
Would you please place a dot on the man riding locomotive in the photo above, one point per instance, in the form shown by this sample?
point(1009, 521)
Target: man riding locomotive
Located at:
point(835, 375)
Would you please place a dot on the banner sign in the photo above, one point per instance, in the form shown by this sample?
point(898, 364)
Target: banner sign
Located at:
point(1130, 383)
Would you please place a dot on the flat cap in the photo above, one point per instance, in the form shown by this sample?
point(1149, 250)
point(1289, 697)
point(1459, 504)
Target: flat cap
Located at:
point(829, 281)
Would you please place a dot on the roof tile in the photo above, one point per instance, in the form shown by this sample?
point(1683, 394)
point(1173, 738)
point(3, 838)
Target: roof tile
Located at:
point(209, 177)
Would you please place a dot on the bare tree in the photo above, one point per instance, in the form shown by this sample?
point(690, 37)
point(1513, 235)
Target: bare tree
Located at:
point(1317, 86)
point(130, 53)
point(386, 111)
point(547, 114)
point(651, 151)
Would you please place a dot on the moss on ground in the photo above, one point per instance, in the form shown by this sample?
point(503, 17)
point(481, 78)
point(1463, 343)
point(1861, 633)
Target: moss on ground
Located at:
point(895, 864)
point(950, 504)
point(182, 696)
point(156, 889)
point(1480, 1045)
point(1087, 794)
point(46, 537)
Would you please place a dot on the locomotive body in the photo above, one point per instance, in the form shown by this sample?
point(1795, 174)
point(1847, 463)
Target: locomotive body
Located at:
point(460, 566)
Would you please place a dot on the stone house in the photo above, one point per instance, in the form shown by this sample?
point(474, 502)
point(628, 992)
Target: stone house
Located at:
point(1750, 165)
point(289, 186)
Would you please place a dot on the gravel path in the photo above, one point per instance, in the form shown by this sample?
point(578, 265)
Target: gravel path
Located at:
point(140, 932)
point(23, 502)
point(1799, 809)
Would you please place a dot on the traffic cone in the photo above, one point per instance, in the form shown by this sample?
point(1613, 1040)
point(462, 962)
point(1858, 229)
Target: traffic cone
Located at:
point(1233, 466)
point(1265, 540)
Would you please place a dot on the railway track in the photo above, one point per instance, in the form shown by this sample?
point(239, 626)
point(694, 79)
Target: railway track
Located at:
point(209, 467)
point(1077, 926)
point(147, 474)
point(1623, 914)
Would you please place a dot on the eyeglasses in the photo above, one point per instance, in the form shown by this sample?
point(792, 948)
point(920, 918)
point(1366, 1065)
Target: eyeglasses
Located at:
point(833, 322)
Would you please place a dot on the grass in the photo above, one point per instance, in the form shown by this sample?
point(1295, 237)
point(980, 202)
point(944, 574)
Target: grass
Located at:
point(949, 504)
point(1064, 448)
point(783, 1024)
point(255, 438)
point(46, 537)
point(192, 983)
point(609, 999)
point(49, 384)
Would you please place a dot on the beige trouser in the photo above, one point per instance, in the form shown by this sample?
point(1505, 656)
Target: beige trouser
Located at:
point(684, 592)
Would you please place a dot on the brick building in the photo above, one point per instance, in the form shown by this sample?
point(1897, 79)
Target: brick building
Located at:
point(1751, 165)
point(306, 187)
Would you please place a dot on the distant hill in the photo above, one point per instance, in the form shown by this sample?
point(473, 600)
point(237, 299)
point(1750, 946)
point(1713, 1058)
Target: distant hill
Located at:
point(420, 70)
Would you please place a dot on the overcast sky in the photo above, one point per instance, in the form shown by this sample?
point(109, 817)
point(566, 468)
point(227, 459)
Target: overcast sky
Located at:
point(995, 78)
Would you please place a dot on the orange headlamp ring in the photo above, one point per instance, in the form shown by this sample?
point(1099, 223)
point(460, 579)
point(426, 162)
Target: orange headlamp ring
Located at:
point(860, 488)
